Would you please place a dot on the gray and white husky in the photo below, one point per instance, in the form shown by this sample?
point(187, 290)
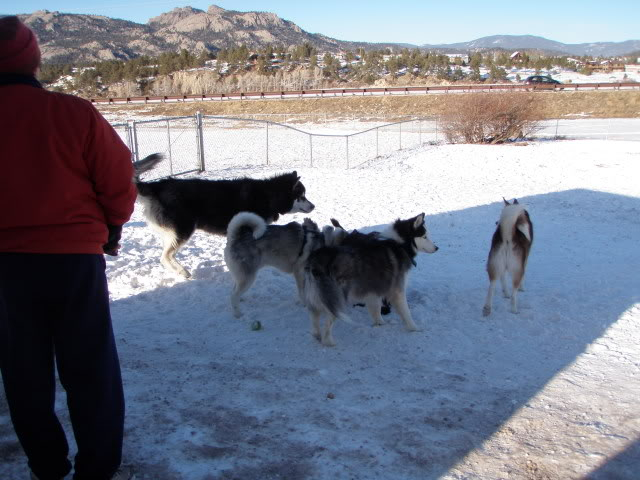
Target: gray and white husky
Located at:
point(365, 269)
point(509, 252)
point(252, 245)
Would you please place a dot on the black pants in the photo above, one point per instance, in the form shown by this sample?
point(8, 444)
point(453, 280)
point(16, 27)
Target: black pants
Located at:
point(55, 308)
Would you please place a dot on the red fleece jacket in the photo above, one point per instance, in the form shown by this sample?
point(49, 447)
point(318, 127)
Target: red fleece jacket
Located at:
point(64, 173)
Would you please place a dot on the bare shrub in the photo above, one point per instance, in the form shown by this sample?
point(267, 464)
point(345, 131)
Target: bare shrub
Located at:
point(490, 117)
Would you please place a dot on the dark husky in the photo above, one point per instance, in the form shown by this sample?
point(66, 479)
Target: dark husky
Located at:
point(252, 245)
point(177, 207)
point(365, 269)
point(355, 237)
point(509, 252)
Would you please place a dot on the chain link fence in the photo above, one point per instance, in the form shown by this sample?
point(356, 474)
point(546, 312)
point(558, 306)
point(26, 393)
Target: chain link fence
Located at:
point(198, 143)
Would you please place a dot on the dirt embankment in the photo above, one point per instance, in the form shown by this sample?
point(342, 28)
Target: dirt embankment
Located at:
point(593, 104)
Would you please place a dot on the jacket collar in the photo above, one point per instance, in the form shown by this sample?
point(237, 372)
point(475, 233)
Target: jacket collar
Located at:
point(19, 79)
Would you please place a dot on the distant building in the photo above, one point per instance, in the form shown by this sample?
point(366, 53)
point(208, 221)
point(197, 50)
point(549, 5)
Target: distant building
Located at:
point(462, 56)
point(578, 63)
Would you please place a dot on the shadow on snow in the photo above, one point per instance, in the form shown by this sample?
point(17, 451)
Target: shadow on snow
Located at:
point(244, 404)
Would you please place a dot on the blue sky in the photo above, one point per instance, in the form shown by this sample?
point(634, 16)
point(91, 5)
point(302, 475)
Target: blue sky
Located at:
point(402, 21)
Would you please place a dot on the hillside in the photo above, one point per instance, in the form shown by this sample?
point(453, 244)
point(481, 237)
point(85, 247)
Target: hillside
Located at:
point(595, 104)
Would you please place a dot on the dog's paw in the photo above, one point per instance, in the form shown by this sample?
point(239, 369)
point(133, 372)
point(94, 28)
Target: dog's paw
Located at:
point(486, 311)
point(328, 342)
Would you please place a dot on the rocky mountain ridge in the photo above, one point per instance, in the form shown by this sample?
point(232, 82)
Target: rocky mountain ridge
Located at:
point(78, 38)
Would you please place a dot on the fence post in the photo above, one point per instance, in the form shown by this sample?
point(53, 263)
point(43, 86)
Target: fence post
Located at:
point(347, 138)
point(557, 122)
point(200, 140)
point(129, 134)
point(311, 148)
point(169, 148)
point(134, 141)
point(400, 136)
point(377, 142)
point(267, 143)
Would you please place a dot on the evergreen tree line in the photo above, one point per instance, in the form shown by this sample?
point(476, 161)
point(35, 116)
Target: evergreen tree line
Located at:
point(363, 66)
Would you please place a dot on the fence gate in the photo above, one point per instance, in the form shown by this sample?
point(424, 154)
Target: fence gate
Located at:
point(179, 139)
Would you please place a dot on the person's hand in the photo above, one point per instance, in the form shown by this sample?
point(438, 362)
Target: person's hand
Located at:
point(112, 246)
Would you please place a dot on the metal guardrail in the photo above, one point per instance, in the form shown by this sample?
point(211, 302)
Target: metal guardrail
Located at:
point(336, 92)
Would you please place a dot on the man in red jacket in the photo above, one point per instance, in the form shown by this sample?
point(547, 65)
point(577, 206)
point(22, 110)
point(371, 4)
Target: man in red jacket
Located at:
point(65, 191)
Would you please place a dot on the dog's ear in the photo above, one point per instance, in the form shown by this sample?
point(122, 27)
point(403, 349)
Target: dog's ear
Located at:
point(506, 202)
point(419, 221)
point(295, 174)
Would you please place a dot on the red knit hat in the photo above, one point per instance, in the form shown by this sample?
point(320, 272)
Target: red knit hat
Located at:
point(19, 51)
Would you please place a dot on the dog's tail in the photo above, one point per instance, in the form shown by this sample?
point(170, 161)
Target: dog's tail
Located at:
point(524, 225)
point(515, 218)
point(333, 236)
point(146, 164)
point(336, 224)
point(321, 290)
point(246, 220)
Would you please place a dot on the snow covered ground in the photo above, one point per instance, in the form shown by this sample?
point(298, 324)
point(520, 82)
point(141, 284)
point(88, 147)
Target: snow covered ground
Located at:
point(518, 74)
point(550, 393)
point(568, 76)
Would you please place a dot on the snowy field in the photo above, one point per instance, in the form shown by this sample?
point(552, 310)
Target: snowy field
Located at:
point(549, 393)
point(231, 143)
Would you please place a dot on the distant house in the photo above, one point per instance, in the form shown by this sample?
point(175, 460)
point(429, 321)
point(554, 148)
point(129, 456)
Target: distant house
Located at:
point(461, 56)
point(516, 56)
point(575, 61)
point(605, 66)
point(632, 68)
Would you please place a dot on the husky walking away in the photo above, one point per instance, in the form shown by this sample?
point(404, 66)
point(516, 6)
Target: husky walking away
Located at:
point(509, 252)
point(252, 245)
point(177, 207)
point(368, 269)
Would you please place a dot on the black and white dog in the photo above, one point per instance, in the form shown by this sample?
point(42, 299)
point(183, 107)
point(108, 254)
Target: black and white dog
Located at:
point(355, 237)
point(252, 245)
point(509, 252)
point(177, 207)
point(365, 268)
